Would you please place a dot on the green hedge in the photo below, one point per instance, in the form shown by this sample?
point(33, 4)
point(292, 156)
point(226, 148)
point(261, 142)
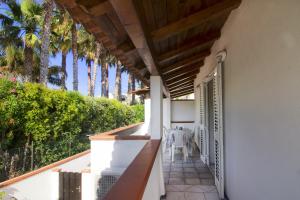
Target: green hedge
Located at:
point(57, 122)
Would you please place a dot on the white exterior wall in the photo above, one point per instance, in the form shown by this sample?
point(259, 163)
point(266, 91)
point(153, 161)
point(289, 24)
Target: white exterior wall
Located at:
point(155, 187)
point(183, 111)
point(43, 185)
point(109, 154)
point(261, 100)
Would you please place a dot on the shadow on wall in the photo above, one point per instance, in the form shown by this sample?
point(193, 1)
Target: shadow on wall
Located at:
point(119, 155)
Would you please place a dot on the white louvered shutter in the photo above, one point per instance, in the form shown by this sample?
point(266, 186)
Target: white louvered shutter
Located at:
point(202, 121)
point(218, 130)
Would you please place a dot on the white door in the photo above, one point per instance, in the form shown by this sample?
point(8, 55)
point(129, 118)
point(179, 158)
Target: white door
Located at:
point(218, 130)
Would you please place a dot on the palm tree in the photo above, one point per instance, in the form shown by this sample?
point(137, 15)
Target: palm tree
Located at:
point(142, 96)
point(105, 59)
point(22, 21)
point(129, 88)
point(48, 7)
point(132, 89)
point(61, 40)
point(118, 80)
point(99, 48)
point(90, 50)
point(75, 56)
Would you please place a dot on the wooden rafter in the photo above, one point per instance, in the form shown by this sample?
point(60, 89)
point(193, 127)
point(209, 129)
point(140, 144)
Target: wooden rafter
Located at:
point(185, 87)
point(179, 79)
point(181, 86)
point(126, 46)
point(198, 58)
point(196, 19)
point(182, 74)
point(182, 92)
point(89, 3)
point(129, 18)
point(100, 8)
point(79, 10)
point(186, 47)
point(125, 9)
point(183, 70)
point(172, 84)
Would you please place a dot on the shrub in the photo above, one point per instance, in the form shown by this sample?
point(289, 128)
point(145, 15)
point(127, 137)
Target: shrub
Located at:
point(57, 122)
point(138, 110)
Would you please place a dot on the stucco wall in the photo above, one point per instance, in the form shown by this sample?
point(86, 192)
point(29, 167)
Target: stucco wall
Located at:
point(261, 100)
point(182, 110)
point(110, 154)
point(42, 185)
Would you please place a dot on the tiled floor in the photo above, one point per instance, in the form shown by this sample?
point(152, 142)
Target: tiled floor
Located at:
point(190, 180)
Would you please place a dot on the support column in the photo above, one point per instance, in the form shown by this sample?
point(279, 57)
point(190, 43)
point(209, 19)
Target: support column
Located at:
point(167, 113)
point(156, 123)
point(156, 95)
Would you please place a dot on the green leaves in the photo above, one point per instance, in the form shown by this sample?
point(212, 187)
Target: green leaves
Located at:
point(57, 121)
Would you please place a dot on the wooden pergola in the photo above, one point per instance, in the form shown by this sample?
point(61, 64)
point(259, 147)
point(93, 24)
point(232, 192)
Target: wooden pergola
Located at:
point(170, 38)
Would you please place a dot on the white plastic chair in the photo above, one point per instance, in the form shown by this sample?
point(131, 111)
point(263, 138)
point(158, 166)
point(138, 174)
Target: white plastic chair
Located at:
point(179, 142)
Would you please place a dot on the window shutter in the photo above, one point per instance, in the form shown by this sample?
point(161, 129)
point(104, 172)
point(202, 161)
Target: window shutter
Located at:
point(202, 105)
point(218, 130)
point(216, 127)
point(202, 119)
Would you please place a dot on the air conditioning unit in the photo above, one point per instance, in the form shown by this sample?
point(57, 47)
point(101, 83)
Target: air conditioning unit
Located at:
point(106, 180)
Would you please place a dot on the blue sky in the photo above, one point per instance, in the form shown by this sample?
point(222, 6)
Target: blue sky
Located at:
point(82, 76)
point(82, 71)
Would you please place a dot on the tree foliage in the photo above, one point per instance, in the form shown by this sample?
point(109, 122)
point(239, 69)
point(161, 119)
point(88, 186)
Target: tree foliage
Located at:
point(56, 121)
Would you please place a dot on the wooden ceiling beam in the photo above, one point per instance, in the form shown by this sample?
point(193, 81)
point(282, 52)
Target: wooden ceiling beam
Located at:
point(182, 74)
point(193, 73)
point(89, 3)
point(181, 85)
point(188, 46)
point(125, 10)
point(126, 46)
point(182, 92)
point(129, 18)
point(181, 81)
point(185, 87)
point(213, 12)
point(181, 78)
point(100, 8)
point(183, 70)
point(198, 58)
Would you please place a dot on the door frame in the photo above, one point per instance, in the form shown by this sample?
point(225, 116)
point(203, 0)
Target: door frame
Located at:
point(217, 74)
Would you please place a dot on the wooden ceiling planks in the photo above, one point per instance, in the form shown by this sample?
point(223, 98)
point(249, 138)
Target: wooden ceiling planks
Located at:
point(182, 72)
point(198, 58)
point(195, 19)
point(170, 38)
point(173, 84)
point(188, 46)
point(189, 82)
point(185, 87)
